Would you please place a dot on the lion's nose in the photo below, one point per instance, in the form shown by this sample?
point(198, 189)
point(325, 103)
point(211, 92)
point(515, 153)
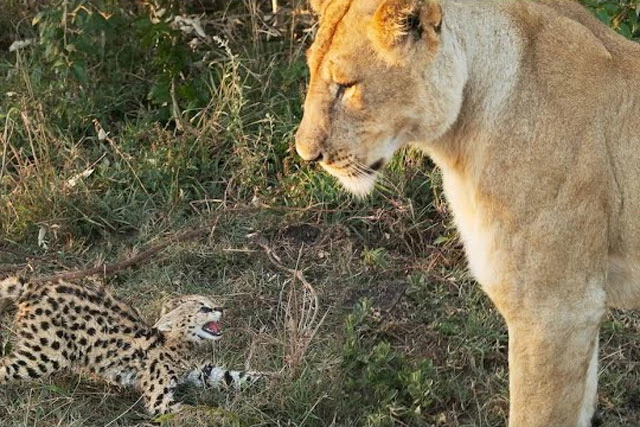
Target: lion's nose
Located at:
point(318, 158)
point(308, 148)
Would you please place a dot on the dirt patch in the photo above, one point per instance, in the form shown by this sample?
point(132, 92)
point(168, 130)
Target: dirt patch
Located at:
point(301, 233)
point(385, 295)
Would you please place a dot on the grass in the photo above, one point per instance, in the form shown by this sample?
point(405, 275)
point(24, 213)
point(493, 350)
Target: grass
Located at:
point(119, 129)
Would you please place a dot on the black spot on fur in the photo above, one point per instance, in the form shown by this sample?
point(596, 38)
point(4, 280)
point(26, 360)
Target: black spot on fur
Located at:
point(228, 379)
point(53, 303)
point(27, 354)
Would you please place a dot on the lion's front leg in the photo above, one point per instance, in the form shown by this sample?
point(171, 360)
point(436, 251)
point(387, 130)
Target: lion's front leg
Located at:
point(553, 359)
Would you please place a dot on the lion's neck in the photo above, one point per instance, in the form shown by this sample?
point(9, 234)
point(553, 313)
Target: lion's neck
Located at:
point(481, 44)
point(490, 47)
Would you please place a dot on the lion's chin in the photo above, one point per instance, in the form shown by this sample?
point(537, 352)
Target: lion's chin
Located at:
point(359, 186)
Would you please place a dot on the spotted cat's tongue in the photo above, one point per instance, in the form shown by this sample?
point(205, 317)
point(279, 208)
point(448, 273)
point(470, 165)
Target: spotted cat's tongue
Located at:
point(212, 328)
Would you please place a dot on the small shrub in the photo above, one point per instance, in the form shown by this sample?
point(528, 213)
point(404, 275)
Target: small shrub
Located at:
point(621, 15)
point(387, 387)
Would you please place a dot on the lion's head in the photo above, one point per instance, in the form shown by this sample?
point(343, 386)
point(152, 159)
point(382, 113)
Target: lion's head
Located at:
point(376, 84)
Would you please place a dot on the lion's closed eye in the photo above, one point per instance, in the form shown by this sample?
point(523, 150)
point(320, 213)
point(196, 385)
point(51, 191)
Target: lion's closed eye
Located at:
point(345, 90)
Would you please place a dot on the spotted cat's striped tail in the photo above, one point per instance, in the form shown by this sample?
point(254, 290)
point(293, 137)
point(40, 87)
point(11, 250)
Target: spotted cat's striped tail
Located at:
point(209, 375)
point(11, 289)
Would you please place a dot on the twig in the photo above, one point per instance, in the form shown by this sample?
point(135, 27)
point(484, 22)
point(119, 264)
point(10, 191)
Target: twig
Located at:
point(302, 330)
point(103, 135)
point(5, 144)
point(108, 269)
point(275, 260)
point(19, 254)
point(4, 268)
point(124, 413)
point(175, 108)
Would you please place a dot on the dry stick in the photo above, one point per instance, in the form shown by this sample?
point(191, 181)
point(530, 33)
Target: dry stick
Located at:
point(106, 269)
point(18, 253)
point(275, 260)
point(4, 139)
point(9, 268)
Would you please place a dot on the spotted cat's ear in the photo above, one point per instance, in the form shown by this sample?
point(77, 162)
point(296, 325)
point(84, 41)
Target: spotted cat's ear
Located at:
point(170, 305)
point(402, 27)
point(164, 324)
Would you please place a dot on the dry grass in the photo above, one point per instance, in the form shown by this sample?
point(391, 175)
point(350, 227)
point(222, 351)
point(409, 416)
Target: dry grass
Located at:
point(364, 309)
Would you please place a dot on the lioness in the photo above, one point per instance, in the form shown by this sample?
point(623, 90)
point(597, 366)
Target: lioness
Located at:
point(532, 112)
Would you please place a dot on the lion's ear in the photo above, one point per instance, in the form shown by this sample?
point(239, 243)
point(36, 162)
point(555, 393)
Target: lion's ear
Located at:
point(400, 25)
point(318, 5)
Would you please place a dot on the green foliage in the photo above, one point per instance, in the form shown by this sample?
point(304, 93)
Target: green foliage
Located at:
point(100, 50)
point(375, 257)
point(386, 386)
point(181, 121)
point(621, 15)
point(117, 125)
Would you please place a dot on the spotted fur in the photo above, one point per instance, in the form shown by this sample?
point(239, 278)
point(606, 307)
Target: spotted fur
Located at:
point(70, 326)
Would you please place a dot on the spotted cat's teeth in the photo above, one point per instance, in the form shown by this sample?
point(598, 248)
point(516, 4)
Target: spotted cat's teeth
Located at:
point(212, 328)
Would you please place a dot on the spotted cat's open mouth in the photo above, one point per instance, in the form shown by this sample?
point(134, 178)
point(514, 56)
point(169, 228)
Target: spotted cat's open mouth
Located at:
point(212, 328)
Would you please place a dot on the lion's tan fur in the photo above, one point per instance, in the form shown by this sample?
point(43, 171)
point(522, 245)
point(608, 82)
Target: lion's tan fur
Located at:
point(531, 111)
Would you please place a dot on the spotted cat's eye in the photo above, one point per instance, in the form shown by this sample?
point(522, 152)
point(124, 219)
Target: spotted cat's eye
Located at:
point(210, 310)
point(342, 88)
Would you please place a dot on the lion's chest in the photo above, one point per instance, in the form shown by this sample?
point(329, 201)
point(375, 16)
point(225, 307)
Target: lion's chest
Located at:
point(477, 230)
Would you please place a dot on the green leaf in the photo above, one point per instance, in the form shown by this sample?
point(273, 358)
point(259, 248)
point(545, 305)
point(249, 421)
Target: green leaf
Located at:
point(57, 390)
point(80, 72)
point(164, 418)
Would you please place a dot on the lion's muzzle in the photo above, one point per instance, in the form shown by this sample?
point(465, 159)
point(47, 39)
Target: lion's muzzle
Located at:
point(310, 143)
